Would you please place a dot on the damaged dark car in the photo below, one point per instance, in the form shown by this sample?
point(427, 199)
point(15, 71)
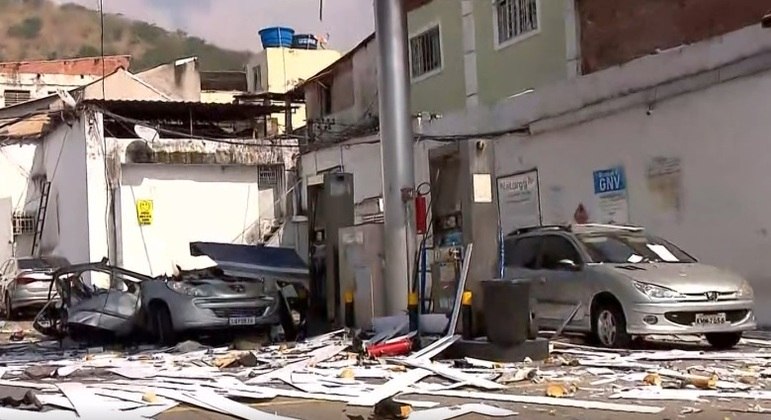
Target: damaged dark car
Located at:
point(247, 288)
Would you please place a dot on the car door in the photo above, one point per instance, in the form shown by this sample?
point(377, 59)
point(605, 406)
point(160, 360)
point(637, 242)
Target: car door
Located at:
point(521, 261)
point(564, 282)
point(3, 281)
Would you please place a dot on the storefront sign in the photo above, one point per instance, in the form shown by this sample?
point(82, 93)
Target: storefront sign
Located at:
point(518, 201)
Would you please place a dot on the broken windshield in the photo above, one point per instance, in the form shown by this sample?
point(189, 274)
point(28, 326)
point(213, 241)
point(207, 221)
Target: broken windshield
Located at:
point(617, 248)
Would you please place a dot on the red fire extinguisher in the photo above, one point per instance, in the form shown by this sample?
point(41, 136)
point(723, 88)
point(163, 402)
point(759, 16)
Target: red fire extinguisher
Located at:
point(420, 214)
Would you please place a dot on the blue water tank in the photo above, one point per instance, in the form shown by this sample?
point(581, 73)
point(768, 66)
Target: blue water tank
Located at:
point(305, 42)
point(276, 36)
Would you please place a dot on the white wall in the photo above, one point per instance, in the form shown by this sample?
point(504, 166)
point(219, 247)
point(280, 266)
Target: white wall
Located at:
point(62, 160)
point(15, 165)
point(361, 157)
point(191, 203)
point(41, 85)
point(721, 135)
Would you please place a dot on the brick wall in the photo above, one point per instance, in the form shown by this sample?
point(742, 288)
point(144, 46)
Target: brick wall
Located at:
point(613, 32)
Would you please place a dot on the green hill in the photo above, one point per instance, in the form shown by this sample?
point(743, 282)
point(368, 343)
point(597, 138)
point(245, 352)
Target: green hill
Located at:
point(40, 30)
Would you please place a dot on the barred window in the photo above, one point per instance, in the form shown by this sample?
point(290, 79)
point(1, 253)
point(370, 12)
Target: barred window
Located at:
point(515, 18)
point(269, 176)
point(15, 97)
point(23, 223)
point(426, 52)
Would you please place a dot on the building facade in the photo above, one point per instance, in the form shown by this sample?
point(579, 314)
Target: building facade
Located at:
point(28, 80)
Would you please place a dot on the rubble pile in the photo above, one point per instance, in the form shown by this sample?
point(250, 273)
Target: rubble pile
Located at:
point(50, 383)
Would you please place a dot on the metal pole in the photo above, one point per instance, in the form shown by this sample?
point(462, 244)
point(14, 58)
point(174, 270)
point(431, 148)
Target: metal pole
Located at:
point(396, 148)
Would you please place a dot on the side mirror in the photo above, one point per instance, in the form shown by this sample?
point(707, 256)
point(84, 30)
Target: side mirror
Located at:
point(568, 265)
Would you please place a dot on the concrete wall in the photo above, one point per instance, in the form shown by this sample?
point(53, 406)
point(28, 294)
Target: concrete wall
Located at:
point(15, 165)
point(284, 68)
point(444, 90)
point(720, 135)
point(41, 85)
point(356, 81)
point(191, 203)
point(531, 62)
point(180, 80)
point(62, 160)
point(614, 32)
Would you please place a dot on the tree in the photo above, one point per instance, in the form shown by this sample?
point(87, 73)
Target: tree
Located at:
point(29, 28)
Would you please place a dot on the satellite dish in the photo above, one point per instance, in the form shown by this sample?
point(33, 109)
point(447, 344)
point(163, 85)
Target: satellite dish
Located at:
point(146, 133)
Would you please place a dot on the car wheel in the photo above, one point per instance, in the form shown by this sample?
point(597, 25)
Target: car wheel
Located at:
point(162, 325)
point(532, 330)
point(610, 327)
point(724, 341)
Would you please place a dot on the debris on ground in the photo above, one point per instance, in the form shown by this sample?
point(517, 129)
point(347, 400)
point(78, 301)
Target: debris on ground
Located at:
point(146, 381)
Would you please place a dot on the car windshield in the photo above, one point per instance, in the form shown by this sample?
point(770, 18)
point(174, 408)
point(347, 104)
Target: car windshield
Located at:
point(626, 248)
point(43, 263)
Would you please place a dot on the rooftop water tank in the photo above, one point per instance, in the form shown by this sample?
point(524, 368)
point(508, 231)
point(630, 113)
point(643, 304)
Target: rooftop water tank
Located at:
point(276, 36)
point(305, 42)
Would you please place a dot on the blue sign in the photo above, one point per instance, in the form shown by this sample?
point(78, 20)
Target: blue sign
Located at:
point(609, 180)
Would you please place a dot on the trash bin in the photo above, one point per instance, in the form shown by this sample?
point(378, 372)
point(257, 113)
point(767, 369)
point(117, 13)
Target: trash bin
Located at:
point(507, 309)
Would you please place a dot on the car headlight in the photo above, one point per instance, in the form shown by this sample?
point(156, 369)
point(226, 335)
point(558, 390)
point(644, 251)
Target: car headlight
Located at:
point(186, 289)
point(657, 292)
point(745, 291)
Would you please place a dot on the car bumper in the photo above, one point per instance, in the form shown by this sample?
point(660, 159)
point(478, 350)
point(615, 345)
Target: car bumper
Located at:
point(214, 314)
point(678, 317)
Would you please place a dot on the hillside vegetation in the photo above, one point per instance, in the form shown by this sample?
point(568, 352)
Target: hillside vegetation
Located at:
point(40, 30)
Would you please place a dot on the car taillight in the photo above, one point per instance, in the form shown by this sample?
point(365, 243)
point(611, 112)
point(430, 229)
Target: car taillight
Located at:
point(25, 280)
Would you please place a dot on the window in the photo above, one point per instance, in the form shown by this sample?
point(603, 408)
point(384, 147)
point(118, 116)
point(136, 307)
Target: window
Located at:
point(515, 18)
point(23, 224)
point(556, 249)
point(522, 253)
point(257, 78)
point(15, 97)
point(614, 248)
point(326, 98)
point(426, 53)
point(269, 176)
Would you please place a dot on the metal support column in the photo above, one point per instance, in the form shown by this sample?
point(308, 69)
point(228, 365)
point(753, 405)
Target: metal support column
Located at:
point(397, 151)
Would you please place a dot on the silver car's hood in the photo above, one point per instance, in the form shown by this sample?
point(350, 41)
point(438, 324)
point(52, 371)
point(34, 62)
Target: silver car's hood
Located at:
point(683, 278)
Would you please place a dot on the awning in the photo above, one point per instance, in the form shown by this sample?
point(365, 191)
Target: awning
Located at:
point(253, 261)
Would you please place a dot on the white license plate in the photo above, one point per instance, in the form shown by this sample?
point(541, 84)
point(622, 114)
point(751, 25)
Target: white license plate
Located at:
point(251, 320)
point(710, 319)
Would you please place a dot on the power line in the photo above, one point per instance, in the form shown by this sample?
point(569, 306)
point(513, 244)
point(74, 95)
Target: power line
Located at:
point(101, 28)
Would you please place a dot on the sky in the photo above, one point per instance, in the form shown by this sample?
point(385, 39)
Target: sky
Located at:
point(235, 23)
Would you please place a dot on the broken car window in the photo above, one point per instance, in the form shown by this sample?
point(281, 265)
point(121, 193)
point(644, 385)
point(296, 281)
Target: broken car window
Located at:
point(614, 248)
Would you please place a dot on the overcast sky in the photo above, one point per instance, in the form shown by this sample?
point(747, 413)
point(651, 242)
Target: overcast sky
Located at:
point(234, 23)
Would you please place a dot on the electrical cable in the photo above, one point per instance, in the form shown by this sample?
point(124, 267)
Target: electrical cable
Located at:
point(250, 142)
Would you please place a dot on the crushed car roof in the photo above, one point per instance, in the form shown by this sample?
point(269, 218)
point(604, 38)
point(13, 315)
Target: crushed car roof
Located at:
point(251, 260)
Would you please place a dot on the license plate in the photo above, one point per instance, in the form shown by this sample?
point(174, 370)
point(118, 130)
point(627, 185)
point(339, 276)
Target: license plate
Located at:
point(710, 319)
point(243, 321)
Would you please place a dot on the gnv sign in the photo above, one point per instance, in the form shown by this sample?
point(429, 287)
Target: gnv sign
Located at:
point(609, 180)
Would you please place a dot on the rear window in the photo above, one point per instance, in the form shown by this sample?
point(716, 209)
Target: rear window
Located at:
point(43, 263)
point(33, 264)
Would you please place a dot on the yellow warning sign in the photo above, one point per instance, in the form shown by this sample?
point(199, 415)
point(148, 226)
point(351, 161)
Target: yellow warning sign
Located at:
point(145, 212)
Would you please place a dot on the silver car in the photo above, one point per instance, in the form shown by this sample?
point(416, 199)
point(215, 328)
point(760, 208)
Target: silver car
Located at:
point(25, 281)
point(260, 290)
point(616, 282)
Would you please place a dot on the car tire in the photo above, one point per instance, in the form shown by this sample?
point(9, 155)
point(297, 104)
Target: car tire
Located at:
point(724, 341)
point(609, 326)
point(532, 328)
point(162, 325)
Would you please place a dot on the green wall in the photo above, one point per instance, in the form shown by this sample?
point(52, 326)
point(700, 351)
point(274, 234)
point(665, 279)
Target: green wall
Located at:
point(529, 63)
point(445, 91)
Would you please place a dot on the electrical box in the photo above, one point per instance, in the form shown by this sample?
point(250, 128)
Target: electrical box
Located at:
point(361, 271)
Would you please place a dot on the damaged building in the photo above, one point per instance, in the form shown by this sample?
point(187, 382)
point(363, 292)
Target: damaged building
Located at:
point(139, 175)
